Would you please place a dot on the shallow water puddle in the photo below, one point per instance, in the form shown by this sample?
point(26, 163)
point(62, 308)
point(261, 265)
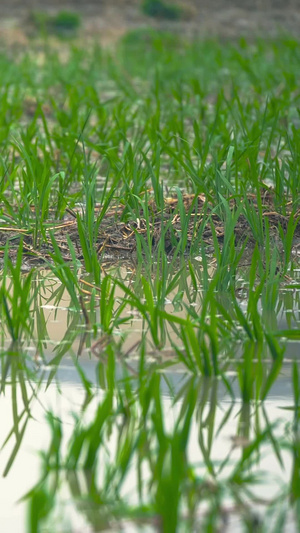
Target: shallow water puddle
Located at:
point(62, 324)
point(211, 442)
point(243, 451)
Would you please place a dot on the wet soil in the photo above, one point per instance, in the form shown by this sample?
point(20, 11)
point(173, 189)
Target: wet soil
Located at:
point(117, 232)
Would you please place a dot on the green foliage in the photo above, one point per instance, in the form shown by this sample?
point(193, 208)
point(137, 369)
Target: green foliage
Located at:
point(16, 295)
point(161, 9)
point(61, 22)
point(106, 143)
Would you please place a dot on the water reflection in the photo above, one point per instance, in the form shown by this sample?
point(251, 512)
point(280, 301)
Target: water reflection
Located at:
point(240, 457)
point(126, 434)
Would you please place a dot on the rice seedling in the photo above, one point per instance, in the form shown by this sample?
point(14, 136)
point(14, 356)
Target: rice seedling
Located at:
point(196, 490)
point(16, 298)
point(180, 159)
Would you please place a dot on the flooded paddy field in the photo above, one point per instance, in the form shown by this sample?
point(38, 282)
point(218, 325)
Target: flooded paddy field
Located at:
point(221, 430)
point(150, 286)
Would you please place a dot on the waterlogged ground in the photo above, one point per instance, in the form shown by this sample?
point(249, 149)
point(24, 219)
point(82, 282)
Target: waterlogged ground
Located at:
point(243, 454)
point(150, 286)
point(220, 431)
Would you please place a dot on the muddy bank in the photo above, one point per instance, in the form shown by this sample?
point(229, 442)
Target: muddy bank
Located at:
point(117, 238)
point(107, 21)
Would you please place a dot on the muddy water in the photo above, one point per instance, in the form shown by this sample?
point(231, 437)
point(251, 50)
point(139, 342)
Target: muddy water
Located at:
point(58, 315)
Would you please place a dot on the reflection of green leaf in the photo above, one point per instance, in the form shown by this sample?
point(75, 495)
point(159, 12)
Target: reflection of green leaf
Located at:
point(249, 457)
point(41, 505)
point(19, 437)
point(277, 354)
point(296, 384)
point(273, 438)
